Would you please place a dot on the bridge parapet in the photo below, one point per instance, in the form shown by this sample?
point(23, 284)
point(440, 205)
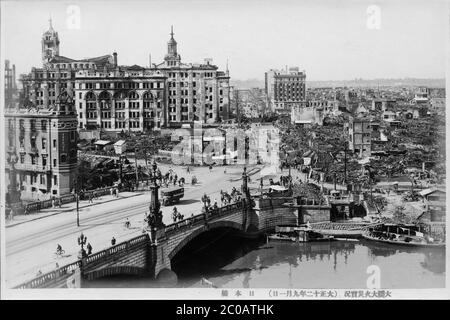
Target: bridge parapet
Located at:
point(52, 278)
point(203, 217)
point(58, 277)
point(137, 255)
point(114, 249)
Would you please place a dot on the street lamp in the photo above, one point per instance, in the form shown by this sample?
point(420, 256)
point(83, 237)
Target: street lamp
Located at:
point(82, 240)
point(13, 193)
point(155, 215)
point(136, 168)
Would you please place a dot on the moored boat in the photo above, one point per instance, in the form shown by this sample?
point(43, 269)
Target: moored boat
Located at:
point(402, 234)
point(298, 234)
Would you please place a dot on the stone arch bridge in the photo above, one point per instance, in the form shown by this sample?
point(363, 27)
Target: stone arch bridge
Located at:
point(143, 255)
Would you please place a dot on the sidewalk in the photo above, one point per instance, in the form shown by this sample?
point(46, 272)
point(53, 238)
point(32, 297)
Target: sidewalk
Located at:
point(68, 207)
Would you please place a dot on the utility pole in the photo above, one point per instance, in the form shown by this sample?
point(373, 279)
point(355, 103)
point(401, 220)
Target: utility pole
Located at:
point(77, 197)
point(136, 168)
point(145, 153)
point(345, 163)
point(335, 181)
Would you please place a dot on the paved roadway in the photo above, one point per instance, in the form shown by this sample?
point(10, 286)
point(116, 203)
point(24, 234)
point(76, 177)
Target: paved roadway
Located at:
point(30, 246)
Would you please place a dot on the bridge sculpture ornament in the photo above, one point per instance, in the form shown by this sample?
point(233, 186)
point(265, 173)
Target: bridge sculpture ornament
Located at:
point(13, 202)
point(155, 216)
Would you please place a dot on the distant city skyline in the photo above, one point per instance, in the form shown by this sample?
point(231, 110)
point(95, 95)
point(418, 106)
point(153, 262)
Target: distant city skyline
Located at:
point(330, 40)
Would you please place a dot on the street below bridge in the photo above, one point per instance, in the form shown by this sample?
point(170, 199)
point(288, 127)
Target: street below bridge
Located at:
point(31, 246)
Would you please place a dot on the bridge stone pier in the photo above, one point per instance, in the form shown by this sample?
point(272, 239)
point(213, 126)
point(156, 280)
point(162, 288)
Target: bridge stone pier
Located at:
point(144, 255)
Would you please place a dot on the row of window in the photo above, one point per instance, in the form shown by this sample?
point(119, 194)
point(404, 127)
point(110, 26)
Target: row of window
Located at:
point(23, 177)
point(194, 92)
point(186, 74)
point(34, 158)
point(51, 75)
point(185, 117)
point(32, 125)
point(121, 85)
point(120, 95)
point(73, 65)
point(91, 105)
point(290, 79)
point(43, 141)
point(119, 115)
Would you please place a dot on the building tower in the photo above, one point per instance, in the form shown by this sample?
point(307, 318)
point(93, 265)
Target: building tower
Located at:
point(172, 58)
point(50, 44)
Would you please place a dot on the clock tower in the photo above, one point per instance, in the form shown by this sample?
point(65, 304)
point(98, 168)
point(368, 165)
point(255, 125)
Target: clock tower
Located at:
point(50, 44)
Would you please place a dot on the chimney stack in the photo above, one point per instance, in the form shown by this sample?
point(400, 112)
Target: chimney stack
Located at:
point(115, 59)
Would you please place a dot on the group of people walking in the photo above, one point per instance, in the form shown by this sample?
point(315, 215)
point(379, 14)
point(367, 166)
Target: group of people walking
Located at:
point(176, 216)
point(229, 198)
point(171, 178)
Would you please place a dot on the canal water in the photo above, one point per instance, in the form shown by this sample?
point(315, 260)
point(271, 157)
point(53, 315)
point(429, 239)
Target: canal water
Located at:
point(232, 262)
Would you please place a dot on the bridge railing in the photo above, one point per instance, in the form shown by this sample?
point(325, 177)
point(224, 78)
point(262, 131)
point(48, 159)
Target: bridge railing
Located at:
point(45, 279)
point(39, 205)
point(48, 278)
point(210, 215)
point(115, 249)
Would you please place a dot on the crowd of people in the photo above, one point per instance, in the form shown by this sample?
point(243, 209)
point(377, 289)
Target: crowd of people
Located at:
point(171, 178)
point(229, 198)
point(177, 216)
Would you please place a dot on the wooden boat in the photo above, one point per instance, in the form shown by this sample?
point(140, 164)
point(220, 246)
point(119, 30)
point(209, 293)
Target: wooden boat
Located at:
point(401, 234)
point(298, 234)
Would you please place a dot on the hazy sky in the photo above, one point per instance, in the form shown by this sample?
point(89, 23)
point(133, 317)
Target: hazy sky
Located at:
point(331, 40)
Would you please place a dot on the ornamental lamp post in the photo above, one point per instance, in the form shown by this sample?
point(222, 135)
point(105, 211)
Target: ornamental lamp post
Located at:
point(155, 214)
point(82, 240)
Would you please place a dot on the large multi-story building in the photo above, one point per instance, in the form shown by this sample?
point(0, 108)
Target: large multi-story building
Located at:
point(135, 98)
point(195, 92)
point(41, 146)
point(126, 98)
point(285, 89)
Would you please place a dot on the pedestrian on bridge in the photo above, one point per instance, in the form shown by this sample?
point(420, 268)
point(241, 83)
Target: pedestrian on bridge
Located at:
point(175, 214)
point(89, 248)
point(113, 241)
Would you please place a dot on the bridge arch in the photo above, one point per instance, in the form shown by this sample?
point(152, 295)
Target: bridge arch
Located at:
point(203, 229)
point(114, 270)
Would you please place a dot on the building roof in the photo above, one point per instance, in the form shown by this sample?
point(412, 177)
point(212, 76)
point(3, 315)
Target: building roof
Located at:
point(99, 61)
point(102, 142)
point(429, 191)
point(135, 67)
point(120, 142)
